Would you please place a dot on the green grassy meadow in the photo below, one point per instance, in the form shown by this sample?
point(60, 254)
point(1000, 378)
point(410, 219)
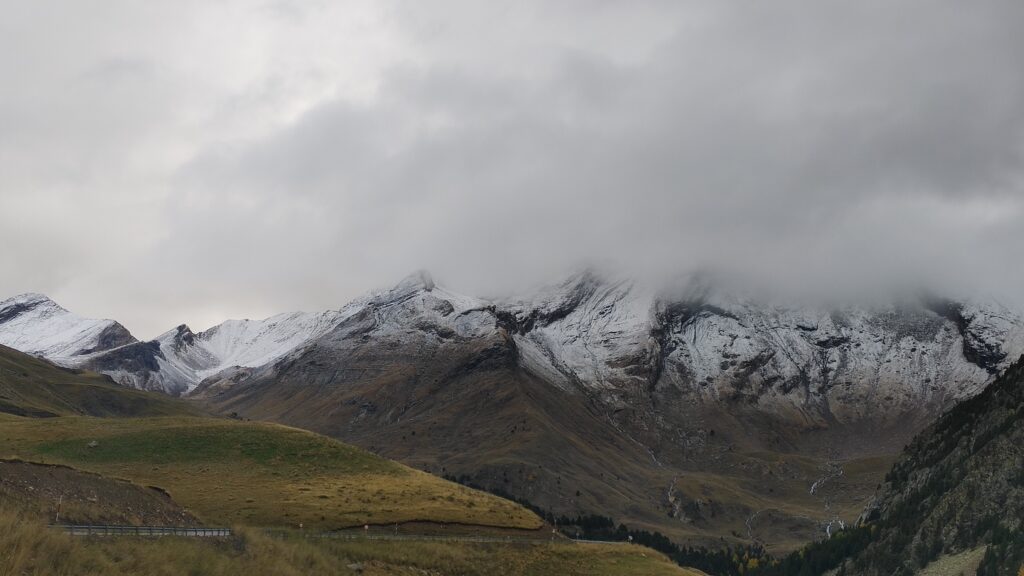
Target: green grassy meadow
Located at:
point(227, 472)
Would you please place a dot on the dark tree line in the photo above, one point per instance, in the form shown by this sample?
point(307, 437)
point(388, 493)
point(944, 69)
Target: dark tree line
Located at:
point(1004, 557)
point(735, 561)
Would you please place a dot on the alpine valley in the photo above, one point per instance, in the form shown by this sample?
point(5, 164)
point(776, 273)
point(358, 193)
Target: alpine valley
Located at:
point(698, 411)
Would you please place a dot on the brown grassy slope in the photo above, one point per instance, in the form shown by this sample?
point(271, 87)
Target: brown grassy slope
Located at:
point(259, 474)
point(29, 548)
point(506, 429)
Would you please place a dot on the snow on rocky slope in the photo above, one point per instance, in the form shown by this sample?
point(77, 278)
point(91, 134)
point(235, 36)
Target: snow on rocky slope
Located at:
point(820, 364)
point(179, 359)
point(174, 362)
point(34, 324)
point(614, 339)
point(653, 358)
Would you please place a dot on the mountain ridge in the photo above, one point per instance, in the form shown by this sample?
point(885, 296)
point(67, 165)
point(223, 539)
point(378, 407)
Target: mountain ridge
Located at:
point(582, 326)
point(696, 411)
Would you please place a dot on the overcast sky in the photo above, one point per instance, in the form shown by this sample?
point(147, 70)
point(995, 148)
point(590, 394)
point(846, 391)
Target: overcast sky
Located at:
point(190, 161)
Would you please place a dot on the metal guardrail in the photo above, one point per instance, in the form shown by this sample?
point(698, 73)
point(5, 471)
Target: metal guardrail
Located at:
point(75, 530)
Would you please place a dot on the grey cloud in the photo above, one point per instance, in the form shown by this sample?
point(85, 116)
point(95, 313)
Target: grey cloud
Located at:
point(808, 142)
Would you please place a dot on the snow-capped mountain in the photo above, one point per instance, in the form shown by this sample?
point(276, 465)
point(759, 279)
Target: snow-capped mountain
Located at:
point(591, 395)
point(600, 394)
point(413, 317)
point(611, 338)
point(175, 362)
point(179, 359)
point(34, 324)
point(821, 364)
point(651, 359)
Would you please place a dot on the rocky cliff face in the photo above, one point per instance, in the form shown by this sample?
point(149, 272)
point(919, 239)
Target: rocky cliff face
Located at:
point(814, 367)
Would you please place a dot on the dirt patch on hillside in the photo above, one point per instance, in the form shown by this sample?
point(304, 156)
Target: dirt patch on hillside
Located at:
point(85, 498)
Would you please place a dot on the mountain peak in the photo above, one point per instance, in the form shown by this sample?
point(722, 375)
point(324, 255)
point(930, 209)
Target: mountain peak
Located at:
point(29, 300)
point(35, 324)
point(177, 336)
point(418, 280)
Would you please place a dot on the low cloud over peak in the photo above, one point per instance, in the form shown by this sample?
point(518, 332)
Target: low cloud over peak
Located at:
point(216, 161)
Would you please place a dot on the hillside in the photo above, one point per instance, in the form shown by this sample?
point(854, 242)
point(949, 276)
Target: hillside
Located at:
point(957, 486)
point(956, 489)
point(258, 474)
point(251, 475)
point(182, 470)
point(63, 494)
point(33, 387)
point(27, 547)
